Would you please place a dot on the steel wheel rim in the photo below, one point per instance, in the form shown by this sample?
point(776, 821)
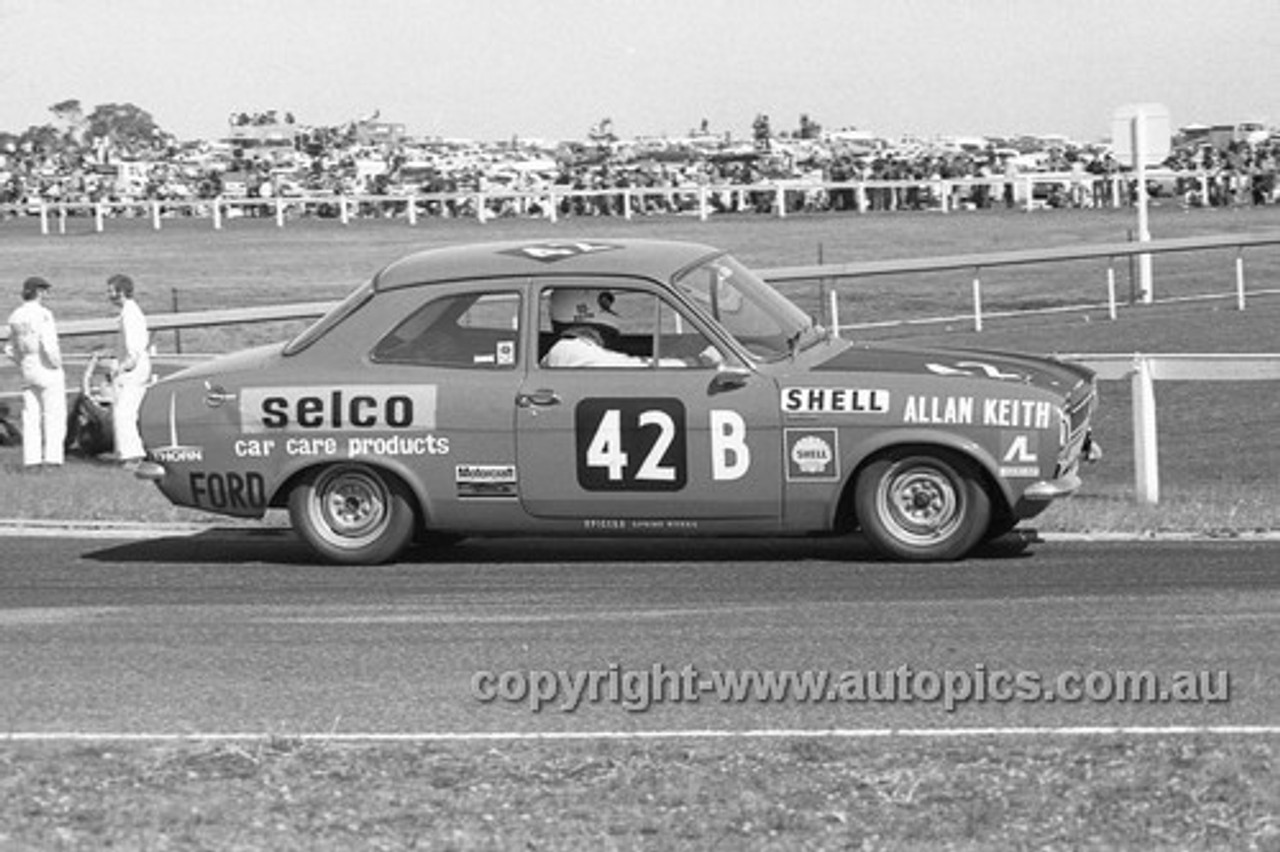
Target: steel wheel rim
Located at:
point(352, 506)
point(920, 504)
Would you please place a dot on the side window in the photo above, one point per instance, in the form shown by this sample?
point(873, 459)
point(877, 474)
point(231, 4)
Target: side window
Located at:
point(623, 327)
point(476, 331)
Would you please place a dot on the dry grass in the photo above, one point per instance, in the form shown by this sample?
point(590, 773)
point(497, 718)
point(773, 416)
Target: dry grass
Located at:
point(975, 794)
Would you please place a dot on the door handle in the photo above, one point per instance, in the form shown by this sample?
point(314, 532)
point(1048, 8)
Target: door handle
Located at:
point(541, 397)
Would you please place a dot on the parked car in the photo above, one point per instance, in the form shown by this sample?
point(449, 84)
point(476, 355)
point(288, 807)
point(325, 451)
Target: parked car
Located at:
point(421, 408)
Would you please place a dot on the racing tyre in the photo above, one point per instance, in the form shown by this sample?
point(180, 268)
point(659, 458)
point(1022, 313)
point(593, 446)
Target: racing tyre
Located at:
point(923, 506)
point(353, 514)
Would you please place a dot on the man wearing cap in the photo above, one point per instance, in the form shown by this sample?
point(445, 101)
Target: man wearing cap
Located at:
point(33, 345)
point(132, 371)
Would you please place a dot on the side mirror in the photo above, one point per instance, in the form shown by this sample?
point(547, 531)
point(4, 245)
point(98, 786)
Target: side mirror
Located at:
point(729, 378)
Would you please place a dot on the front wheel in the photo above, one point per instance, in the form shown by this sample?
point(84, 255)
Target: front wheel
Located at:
point(922, 506)
point(352, 514)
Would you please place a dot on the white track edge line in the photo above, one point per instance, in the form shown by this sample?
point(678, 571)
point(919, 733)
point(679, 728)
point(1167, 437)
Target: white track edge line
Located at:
point(710, 734)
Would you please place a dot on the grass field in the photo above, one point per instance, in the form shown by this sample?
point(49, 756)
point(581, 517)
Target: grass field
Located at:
point(1220, 464)
point(1098, 793)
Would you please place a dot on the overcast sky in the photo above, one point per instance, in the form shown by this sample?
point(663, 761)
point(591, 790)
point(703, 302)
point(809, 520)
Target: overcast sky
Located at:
point(491, 69)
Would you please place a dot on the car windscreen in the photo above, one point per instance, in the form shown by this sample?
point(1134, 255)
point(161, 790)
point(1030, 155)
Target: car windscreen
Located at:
point(764, 321)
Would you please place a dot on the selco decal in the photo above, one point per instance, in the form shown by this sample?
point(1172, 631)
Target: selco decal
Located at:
point(813, 455)
point(228, 490)
point(485, 480)
point(834, 401)
point(341, 408)
point(1008, 413)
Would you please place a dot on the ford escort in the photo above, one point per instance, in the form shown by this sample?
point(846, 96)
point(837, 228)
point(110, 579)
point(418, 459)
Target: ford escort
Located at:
point(454, 394)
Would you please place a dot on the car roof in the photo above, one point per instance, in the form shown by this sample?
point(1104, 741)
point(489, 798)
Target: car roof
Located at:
point(657, 259)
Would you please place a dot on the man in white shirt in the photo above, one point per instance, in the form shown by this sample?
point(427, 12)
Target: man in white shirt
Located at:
point(132, 370)
point(33, 345)
point(586, 326)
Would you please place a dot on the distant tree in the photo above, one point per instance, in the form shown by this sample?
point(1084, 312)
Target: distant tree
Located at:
point(809, 129)
point(124, 125)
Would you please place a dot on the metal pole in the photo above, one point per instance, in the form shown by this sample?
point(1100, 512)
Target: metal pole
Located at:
point(1146, 455)
point(1138, 125)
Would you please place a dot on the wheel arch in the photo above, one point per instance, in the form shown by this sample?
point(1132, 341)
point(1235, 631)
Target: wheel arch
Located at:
point(421, 514)
point(843, 518)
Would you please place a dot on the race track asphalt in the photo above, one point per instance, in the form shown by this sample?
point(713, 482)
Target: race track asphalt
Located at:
point(239, 631)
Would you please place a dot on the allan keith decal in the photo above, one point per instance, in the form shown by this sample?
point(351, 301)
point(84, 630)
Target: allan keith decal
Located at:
point(1014, 413)
point(341, 408)
point(813, 455)
point(834, 401)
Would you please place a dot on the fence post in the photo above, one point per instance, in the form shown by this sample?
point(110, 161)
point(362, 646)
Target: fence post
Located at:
point(977, 299)
point(834, 298)
point(155, 214)
point(482, 210)
point(1031, 192)
point(344, 215)
point(553, 206)
point(1146, 464)
point(97, 217)
point(1111, 288)
point(782, 200)
point(1240, 278)
point(279, 212)
point(411, 209)
point(44, 217)
point(626, 203)
point(217, 213)
point(62, 218)
point(703, 211)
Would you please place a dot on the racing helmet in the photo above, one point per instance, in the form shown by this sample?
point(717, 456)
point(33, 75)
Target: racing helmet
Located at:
point(574, 306)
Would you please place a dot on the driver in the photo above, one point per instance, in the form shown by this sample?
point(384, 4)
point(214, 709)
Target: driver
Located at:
point(586, 328)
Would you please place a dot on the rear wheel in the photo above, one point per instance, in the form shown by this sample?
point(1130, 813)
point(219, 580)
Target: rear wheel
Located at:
point(925, 505)
point(353, 514)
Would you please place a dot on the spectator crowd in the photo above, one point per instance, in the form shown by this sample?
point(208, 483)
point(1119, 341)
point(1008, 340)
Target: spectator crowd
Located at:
point(269, 154)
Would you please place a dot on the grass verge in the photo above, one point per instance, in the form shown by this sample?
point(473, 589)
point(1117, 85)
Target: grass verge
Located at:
point(1103, 792)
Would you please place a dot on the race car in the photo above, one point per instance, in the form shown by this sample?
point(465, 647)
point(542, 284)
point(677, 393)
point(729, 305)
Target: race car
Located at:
point(426, 407)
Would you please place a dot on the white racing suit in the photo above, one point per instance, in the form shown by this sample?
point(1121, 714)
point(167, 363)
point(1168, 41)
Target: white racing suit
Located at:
point(130, 385)
point(33, 345)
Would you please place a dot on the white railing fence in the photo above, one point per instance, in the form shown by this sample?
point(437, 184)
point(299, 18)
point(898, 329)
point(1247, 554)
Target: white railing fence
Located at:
point(1144, 370)
point(780, 198)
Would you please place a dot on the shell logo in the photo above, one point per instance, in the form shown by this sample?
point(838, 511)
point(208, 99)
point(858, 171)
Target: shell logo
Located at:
point(812, 454)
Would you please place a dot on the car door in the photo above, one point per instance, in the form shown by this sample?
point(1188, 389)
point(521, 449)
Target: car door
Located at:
point(661, 440)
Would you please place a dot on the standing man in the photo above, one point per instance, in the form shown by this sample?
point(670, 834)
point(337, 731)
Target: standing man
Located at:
point(132, 371)
point(33, 345)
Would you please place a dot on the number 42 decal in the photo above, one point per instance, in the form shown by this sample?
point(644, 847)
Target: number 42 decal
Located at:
point(642, 445)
